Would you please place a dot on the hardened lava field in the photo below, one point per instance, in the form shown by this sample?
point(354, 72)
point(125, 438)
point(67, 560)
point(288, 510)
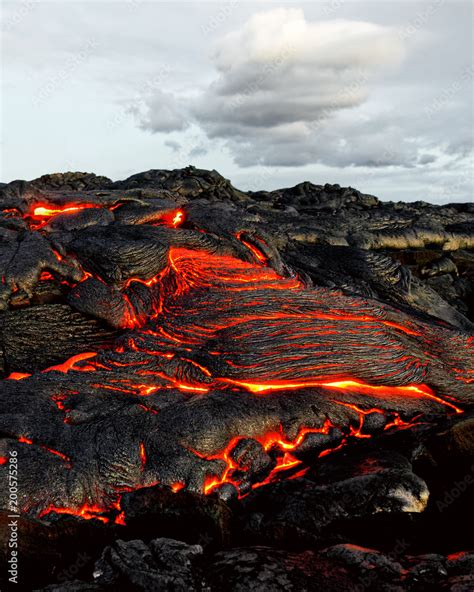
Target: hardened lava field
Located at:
point(225, 370)
point(166, 336)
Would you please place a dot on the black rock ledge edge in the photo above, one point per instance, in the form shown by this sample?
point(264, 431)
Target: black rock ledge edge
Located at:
point(390, 512)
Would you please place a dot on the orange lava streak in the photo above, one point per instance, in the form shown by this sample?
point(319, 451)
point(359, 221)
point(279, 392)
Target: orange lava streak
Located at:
point(24, 440)
point(148, 409)
point(357, 432)
point(70, 364)
point(271, 440)
point(42, 214)
point(198, 269)
point(58, 255)
point(178, 486)
point(86, 511)
point(45, 276)
point(203, 369)
point(58, 400)
point(147, 282)
point(188, 387)
point(46, 212)
point(65, 458)
point(400, 424)
point(277, 439)
point(402, 328)
point(261, 258)
point(285, 463)
point(359, 410)
point(142, 455)
point(210, 483)
point(145, 390)
point(411, 390)
point(17, 376)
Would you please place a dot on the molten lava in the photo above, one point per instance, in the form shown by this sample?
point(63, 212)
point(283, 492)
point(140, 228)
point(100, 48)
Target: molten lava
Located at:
point(208, 326)
point(41, 212)
point(40, 215)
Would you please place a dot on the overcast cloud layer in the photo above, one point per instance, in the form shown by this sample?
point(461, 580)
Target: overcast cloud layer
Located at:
point(376, 95)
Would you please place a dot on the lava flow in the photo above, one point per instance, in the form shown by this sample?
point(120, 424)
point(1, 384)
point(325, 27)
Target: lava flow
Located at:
point(40, 215)
point(224, 374)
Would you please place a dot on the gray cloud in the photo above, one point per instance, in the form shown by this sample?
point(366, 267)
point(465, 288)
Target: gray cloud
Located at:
point(291, 92)
point(175, 146)
point(197, 151)
point(162, 113)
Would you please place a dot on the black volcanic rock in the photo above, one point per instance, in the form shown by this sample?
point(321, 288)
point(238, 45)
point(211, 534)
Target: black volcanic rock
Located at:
point(302, 512)
point(72, 181)
point(168, 565)
point(164, 564)
point(303, 357)
point(306, 197)
point(185, 515)
point(188, 182)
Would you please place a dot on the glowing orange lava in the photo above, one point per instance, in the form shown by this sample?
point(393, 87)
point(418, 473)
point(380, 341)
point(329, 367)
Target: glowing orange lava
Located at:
point(87, 511)
point(41, 214)
point(240, 304)
point(18, 376)
point(178, 219)
point(172, 219)
point(259, 256)
point(411, 390)
point(142, 455)
point(178, 486)
point(43, 211)
point(70, 364)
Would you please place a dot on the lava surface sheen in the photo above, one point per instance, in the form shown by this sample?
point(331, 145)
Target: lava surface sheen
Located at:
point(229, 371)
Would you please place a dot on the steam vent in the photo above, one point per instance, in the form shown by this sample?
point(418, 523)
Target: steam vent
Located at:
point(209, 389)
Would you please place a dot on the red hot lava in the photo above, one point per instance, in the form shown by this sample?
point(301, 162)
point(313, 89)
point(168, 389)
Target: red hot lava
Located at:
point(223, 324)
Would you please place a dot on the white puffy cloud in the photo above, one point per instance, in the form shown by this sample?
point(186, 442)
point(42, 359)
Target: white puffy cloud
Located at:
point(280, 81)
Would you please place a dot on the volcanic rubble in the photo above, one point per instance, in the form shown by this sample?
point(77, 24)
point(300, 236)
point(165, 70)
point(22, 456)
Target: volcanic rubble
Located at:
point(212, 389)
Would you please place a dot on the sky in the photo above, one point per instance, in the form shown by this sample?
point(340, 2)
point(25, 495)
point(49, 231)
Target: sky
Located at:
point(375, 95)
